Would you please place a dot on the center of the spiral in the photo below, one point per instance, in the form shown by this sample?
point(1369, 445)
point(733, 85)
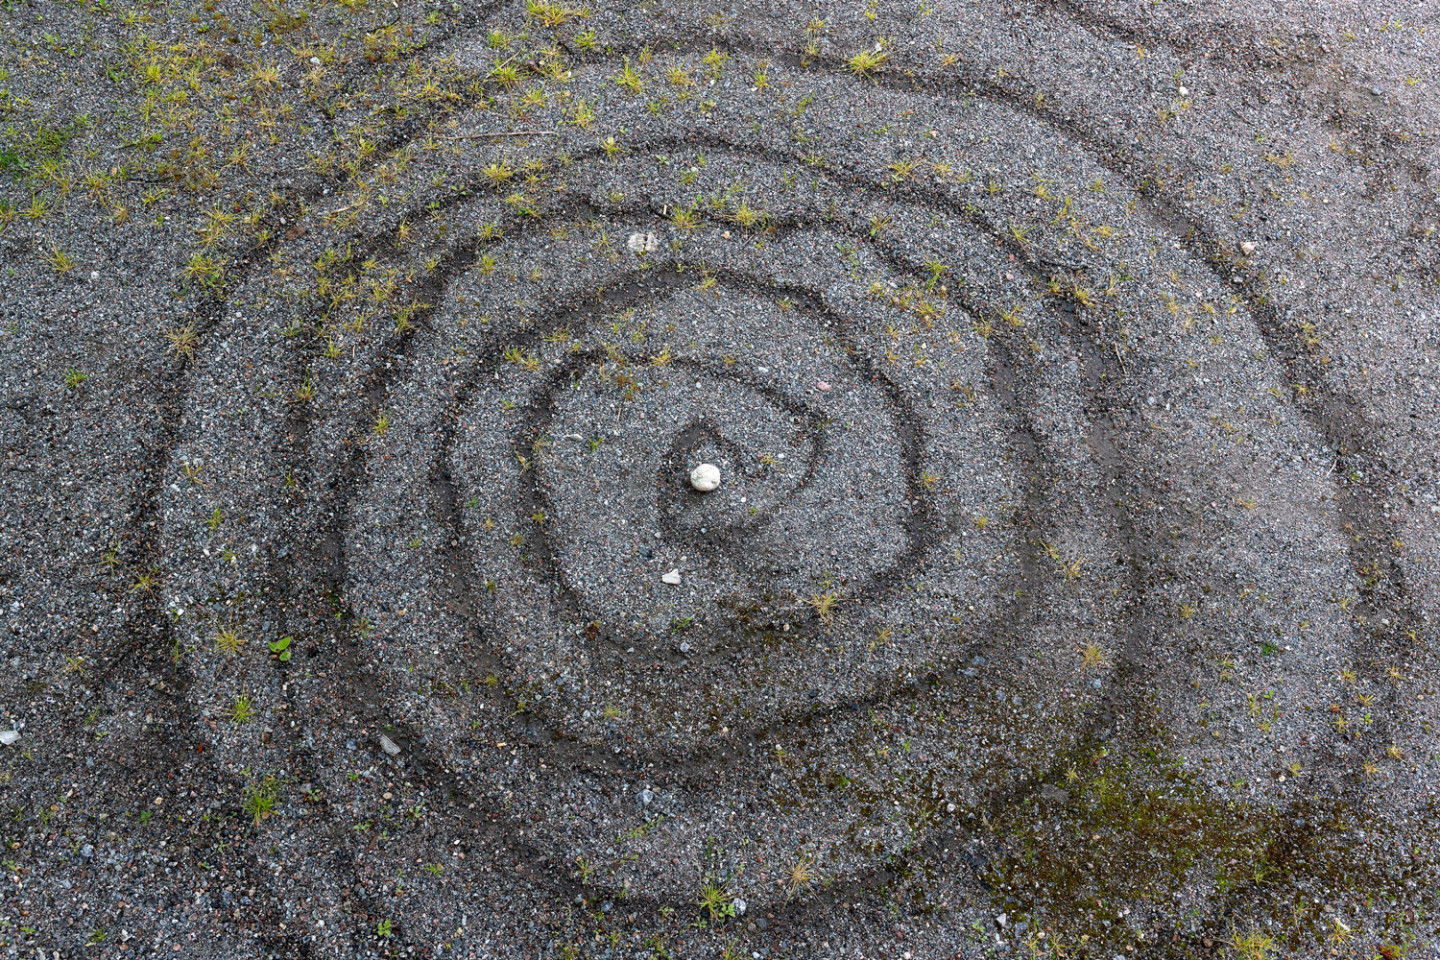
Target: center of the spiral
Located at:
point(705, 477)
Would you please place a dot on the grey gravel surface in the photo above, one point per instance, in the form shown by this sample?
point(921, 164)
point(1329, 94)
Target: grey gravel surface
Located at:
point(1069, 589)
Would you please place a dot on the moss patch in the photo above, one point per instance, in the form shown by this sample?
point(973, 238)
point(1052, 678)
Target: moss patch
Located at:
point(1115, 856)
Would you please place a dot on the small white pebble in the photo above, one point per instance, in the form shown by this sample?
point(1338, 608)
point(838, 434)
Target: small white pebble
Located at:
point(705, 477)
point(673, 577)
point(1247, 248)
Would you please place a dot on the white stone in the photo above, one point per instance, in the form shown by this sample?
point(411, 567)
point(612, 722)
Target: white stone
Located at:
point(8, 737)
point(1247, 248)
point(389, 746)
point(705, 477)
point(642, 243)
point(672, 577)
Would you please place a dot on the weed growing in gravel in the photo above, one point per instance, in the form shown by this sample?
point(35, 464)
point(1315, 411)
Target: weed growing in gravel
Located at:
point(1092, 657)
point(260, 799)
point(824, 604)
point(716, 900)
point(629, 79)
point(801, 876)
point(866, 62)
point(228, 641)
point(1253, 945)
point(553, 14)
point(243, 710)
point(183, 341)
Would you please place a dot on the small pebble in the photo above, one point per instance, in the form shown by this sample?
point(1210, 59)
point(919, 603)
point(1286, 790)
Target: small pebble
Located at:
point(1247, 248)
point(705, 477)
point(8, 737)
point(389, 746)
point(672, 577)
point(823, 387)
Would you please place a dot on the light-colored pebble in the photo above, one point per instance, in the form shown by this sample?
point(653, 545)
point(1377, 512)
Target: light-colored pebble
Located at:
point(705, 477)
point(643, 243)
point(672, 577)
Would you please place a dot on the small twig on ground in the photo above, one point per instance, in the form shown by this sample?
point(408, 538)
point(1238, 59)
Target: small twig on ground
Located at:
point(506, 133)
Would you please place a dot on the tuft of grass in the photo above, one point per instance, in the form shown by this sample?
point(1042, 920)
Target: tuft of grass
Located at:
point(1252, 945)
point(716, 900)
point(824, 605)
point(183, 341)
point(801, 876)
point(629, 79)
point(506, 74)
point(206, 271)
point(229, 641)
point(866, 62)
point(261, 798)
point(498, 173)
point(243, 710)
point(747, 216)
point(552, 14)
point(685, 219)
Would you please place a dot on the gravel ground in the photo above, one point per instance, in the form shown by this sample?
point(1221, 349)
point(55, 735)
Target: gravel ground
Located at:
point(1071, 585)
